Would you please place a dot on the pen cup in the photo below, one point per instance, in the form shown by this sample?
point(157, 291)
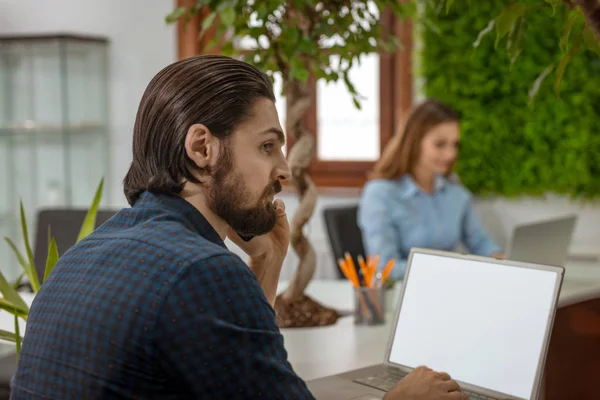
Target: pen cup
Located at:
point(369, 305)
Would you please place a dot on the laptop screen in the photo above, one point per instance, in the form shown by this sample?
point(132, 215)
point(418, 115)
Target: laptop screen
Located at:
point(484, 323)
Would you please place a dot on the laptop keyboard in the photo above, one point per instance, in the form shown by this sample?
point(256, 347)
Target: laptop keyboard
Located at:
point(388, 379)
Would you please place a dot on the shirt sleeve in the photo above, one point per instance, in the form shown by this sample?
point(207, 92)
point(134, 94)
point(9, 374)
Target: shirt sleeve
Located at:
point(380, 235)
point(474, 236)
point(219, 338)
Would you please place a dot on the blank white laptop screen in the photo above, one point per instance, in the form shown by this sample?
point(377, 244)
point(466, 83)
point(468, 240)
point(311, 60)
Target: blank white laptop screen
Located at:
point(482, 322)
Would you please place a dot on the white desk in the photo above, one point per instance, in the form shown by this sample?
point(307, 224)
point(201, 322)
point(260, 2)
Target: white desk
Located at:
point(318, 352)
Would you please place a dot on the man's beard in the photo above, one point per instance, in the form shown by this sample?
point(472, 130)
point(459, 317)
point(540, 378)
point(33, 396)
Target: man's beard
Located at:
point(229, 199)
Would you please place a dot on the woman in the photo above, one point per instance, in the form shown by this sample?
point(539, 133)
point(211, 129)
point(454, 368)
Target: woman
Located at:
point(412, 198)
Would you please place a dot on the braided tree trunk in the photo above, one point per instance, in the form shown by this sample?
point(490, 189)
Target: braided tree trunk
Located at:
point(294, 309)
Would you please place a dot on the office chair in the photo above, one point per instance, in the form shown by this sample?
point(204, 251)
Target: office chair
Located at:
point(344, 234)
point(64, 225)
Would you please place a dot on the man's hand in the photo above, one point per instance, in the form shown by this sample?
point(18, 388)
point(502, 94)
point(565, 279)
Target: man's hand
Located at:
point(267, 252)
point(425, 384)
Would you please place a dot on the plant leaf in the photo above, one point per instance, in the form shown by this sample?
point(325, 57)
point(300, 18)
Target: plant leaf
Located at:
point(449, 5)
point(484, 32)
point(52, 258)
point(9, 336)
point(507, 18)
point(30, 268)
point(13, 308)
point(560, 71)
point(538, 83)
point(516, 39)
point(227, 16)
point(18, 338)
point(554, 4)
point(89, 223)
point(17, 282)
point(207, 23)
point(7, 290)
point(590, 41)
point(175, 15)
point(565, 33)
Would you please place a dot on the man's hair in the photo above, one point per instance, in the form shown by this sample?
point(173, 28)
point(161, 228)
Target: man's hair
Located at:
point(212, 90)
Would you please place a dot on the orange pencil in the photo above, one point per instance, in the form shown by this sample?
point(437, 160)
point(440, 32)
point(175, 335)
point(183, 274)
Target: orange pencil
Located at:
point(352, 267)
point(366, 270)
point(387, 270)
point(347, 272)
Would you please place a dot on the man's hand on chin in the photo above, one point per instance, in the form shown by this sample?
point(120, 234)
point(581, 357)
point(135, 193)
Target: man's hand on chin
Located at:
point(267, 252)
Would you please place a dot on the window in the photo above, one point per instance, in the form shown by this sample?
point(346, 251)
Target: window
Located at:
point(346, 133)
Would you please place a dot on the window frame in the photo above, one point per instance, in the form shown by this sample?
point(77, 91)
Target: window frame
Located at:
point(395, 100)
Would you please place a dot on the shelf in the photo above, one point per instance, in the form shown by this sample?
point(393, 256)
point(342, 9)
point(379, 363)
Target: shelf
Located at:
point(54, 127)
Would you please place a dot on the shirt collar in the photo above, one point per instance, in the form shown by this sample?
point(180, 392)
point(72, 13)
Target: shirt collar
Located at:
point(410, 188)
point(187, 213)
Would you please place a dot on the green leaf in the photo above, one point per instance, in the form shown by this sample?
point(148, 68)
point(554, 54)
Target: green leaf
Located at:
point(89, 223)
point(516, 39)
point(30, 268)
point(590, 40)
point(18, 338)
point(207, 23)
point(52, 258)
point(535, 88)
point(554, 4)
point(175, 15)
point(356, 103)
point(8, 336)
point(507, 18)
point(18, 281)
point(228, 16)
point(13, 308)
point(10, 294)
point(565, 33)
point(484, 32)
point(449, 5)
point(560, 71)
point(299, 73)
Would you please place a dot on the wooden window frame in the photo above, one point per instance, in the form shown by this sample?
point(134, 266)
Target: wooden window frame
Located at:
point(395, 100)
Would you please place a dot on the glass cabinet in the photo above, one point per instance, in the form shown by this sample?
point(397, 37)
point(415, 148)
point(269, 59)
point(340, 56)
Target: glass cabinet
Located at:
point(53, 128)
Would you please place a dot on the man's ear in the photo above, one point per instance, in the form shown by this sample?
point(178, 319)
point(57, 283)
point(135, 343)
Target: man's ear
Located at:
point(200, 145)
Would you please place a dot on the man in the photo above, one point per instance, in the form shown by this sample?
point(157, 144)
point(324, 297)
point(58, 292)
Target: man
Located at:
point(152, 304)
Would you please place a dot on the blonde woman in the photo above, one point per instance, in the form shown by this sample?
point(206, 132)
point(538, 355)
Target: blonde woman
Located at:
point(413, 199)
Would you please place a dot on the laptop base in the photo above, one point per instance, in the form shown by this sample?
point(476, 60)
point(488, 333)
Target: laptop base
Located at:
point(343, 387)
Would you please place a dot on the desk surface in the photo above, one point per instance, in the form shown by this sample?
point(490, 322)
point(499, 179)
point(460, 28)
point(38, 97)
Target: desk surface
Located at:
point(318, 352)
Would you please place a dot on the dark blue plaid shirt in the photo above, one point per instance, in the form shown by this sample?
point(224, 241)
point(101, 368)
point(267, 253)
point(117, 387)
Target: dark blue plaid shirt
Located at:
point(152, 305)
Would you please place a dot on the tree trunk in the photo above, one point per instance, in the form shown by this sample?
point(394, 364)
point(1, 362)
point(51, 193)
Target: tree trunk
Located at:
point(591, 10)
point(299, 159)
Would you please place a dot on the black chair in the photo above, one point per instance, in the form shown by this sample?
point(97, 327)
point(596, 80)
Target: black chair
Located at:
point(344, 234)
point(64, 225)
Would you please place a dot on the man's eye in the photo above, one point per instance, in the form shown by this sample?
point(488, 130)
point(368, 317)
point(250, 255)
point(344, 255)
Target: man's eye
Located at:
point(267, 146)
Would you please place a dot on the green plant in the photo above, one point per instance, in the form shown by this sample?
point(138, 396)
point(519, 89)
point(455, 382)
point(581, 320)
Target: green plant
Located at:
point(579, 29)
point(510, 147)
point(11, 300)
point(297, 39)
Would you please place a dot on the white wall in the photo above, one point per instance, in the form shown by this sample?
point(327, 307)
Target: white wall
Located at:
point(141, 45)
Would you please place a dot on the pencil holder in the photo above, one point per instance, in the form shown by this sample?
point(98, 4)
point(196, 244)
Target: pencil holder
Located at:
point(369, 305)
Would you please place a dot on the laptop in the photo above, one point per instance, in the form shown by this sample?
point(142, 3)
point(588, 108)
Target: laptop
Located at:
point(486, 322)
point(545, 242)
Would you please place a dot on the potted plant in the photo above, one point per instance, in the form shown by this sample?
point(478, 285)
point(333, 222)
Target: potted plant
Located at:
point(11, 301)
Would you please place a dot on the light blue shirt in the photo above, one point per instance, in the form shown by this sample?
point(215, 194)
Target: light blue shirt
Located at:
point(396, 215)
